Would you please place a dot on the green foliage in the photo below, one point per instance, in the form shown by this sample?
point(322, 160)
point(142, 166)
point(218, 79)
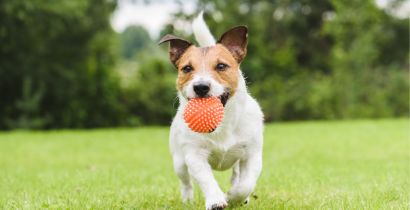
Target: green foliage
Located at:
point(151, 94)
point(306, 166)
point(28, 108)
point(306, 60)
point(133, 39)
point(64, 47)
point(319, 59)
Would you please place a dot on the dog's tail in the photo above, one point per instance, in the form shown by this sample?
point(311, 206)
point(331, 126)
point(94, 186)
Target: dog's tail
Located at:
point(201, 32)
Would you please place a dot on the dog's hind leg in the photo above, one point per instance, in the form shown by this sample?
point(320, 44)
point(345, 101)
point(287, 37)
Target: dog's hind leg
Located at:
point(235, 174)
point(181, 170)
point(235, 178)
point(249, 172)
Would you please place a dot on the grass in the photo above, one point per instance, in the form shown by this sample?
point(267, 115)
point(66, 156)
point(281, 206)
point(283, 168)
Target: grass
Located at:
point(308, 165)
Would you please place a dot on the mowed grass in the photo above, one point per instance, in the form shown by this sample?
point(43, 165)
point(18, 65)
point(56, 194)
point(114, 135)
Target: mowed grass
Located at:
point(360, 164)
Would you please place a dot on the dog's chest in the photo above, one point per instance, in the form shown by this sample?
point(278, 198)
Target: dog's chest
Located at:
point(222, 158)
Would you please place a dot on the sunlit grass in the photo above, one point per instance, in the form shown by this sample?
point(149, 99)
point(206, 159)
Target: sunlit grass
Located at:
point(308, 165)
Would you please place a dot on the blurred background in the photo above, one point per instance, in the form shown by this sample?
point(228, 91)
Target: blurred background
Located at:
point(95, 63)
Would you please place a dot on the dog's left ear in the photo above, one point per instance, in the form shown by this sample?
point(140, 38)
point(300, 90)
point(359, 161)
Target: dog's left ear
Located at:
point(236, 40)
point(177, 47)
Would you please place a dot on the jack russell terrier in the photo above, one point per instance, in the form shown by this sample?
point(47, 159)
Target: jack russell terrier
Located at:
point(213, 70)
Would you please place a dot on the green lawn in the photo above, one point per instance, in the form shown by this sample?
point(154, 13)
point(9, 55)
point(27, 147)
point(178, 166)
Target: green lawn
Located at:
point(308, 165)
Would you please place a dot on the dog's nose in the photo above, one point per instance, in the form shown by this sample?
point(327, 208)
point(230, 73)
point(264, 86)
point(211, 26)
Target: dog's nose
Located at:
point(201, 89)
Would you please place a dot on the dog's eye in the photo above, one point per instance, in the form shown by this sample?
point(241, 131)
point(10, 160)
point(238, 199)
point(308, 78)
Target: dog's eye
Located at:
point(187, 68)
point(221, 66)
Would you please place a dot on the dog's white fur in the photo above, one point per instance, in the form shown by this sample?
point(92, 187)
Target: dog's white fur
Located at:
point(236, 143)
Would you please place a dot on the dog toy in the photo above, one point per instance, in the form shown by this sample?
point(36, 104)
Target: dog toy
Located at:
point(203, 115)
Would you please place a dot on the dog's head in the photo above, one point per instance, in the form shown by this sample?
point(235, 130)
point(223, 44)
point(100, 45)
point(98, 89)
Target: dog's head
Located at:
point(209, 71)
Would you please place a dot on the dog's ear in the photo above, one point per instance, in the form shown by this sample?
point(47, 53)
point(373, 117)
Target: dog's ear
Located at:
point(177, 46)
point(236, 40)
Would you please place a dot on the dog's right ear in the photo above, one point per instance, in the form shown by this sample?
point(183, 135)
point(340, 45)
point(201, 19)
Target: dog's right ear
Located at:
point(177, 47)
point(236, 40)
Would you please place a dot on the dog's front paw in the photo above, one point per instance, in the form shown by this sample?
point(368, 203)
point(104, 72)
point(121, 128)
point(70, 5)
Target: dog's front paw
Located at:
point(216, 204)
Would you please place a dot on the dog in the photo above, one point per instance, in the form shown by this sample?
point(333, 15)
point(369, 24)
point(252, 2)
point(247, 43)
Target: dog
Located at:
point(213, 70)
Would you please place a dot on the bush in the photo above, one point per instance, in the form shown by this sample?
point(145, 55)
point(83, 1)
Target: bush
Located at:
point(151, 95)
point(65, 50)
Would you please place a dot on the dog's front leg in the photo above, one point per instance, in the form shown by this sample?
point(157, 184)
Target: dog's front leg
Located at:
point(201, 171)
point(250, 169)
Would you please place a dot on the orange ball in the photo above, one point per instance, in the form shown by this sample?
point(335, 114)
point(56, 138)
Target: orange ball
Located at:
point(203, 115)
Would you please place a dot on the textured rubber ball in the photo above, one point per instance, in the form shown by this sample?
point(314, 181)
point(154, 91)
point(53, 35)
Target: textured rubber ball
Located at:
point(203, 115)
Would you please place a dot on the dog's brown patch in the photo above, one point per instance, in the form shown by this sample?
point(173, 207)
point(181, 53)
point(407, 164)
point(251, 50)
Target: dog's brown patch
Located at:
point(206, 59)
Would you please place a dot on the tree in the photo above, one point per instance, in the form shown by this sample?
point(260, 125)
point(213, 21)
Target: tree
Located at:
point(65, 49)
point(133, 39)
point(318, 59)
